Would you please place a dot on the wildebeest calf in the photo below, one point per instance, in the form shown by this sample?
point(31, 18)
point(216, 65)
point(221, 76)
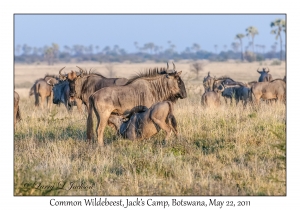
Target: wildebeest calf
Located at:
point(147, 123)
point(212, 98)
point(41, 88)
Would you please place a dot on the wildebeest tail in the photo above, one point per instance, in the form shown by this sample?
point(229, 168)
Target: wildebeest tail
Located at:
point(89, 124)
point(31, 92)
point(18, 118)
point(203, 100)
point(36, 94)
point(250, 94)
point(171, 118)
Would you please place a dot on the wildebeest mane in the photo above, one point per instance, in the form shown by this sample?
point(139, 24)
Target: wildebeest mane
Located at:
point(276, 80)
point(224, 77)
point(96, 74)
point(157, 83)
point(147, 74)
point(52, 75)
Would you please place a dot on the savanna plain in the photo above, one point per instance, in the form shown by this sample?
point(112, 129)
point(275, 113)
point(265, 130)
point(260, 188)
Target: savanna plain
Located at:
point(228, 150)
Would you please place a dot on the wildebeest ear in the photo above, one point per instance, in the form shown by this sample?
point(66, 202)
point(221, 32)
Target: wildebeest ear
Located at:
point(121, 81)
point(178, 73)
point(49, 82)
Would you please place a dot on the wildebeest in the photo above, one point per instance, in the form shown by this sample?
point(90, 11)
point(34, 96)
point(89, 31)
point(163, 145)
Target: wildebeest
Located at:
point(17, 114)
point(208, 82)
point(275, 89)
point(61, 92)
point(228, 92)
point(147, 123)
point(239, 91)
point(83, 85)
point(212, 98)
point(264, 75)
point(144, 89)
point(41, 88)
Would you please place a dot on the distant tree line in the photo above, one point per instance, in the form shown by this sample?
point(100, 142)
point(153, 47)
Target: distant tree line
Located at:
point(150, 51)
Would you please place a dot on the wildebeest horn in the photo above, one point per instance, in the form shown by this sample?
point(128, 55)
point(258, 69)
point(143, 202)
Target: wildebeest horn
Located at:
point(208, 74)
point(60, 72)
point(173, 66)
point(223, 88)
point(48, 82)
point(167, 65)
point(258, 71)
point(81, 71)
point(268, 70)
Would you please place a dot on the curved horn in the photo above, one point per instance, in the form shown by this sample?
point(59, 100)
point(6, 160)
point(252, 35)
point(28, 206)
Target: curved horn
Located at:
point(167, 65)
point(60, 72)
point(258, 71)
point(48, 82)
point(174, 66)
point(268, 70)
point(223, 88)
point(81, 71)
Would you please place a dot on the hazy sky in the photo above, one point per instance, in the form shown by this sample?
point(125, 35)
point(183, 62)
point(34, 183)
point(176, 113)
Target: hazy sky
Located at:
point(124, 30)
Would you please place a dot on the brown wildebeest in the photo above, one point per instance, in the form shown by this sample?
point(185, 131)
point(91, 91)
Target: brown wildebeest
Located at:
point(41, 88)
point(212, 98)
point(208, 82)
point(61, 95)
point(17, 114)
point(147, 123)
point(276, 89)
point(264, 75)
point(83, 85)
point(143, 90)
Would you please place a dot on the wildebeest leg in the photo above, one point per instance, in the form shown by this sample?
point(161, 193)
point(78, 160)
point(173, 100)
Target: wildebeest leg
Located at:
point(237, 100)
point(37, 100)
point(102, 119)
point(42, 102)
point(79, 105)
point(15, 113)
point(163, 126)
point(225, 100)
point(50, 101)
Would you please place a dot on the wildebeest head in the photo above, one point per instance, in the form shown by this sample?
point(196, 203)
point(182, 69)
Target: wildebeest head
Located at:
point(208, 82)
point(264, 75)
point(60, 92)
point(51, 81)
point(71, 78)
point(115, 121)
point(175, 83)
point(220, 88)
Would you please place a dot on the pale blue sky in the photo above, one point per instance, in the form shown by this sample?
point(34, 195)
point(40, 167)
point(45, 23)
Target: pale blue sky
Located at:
point(124, 30)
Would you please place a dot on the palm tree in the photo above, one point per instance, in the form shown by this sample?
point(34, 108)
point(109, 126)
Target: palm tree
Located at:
point(240, 37)
point(252, 31)
point(235, 46)
point(216, 48)
point(280, 26)
point(196, 47)
point(136, 44)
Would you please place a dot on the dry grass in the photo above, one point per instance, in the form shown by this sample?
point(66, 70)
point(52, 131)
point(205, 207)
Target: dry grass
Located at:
point(228, 151)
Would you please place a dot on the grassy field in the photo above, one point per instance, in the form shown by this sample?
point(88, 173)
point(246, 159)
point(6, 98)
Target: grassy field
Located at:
point(225, 151)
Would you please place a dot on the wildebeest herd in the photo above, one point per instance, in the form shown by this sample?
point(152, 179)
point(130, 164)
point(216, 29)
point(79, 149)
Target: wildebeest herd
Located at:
point(142, 105)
